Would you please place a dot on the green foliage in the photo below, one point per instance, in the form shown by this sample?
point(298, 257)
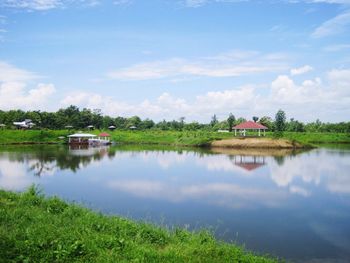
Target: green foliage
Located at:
point(267, 122)
point(80, 119)
point(214, 120)
point(38, 229)
point(231, 121)
point(280, 123)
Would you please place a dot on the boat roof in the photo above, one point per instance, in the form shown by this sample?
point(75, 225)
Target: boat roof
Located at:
point(82, 135)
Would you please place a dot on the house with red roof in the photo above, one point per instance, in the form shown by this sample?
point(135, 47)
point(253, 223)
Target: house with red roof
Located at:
point(249, 125)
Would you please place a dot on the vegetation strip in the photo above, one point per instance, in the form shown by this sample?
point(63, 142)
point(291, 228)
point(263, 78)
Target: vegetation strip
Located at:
point(157, 137)
point(38, 229)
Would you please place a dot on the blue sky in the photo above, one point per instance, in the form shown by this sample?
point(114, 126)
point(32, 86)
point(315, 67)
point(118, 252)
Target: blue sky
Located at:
point(166, 59)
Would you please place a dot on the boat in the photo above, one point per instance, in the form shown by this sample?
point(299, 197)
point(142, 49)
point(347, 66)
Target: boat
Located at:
point(80, 138)
point(89, 139)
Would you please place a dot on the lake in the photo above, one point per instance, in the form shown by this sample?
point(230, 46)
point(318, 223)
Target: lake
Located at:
point(294, 205)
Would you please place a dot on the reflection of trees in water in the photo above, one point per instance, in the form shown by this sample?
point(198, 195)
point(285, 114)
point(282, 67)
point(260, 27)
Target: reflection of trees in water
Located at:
point(45, 159)
point(279, 160)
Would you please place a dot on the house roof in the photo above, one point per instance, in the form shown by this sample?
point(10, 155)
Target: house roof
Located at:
point(104, 134)
point(250, 125)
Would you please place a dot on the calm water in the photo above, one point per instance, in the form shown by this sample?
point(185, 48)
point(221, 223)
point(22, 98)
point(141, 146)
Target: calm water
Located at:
point(293, 205)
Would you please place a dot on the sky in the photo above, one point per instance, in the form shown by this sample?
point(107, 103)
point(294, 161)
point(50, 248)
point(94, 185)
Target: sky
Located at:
point(166, 59)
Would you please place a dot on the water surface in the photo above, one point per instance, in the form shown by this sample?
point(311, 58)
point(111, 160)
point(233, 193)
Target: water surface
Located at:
point(294, 205)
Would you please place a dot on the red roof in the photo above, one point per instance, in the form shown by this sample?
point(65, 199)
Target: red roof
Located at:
point(104, 134)
point(249, 166)
point(250, 125)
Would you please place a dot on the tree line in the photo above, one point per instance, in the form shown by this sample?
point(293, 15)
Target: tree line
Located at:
point(80, 119)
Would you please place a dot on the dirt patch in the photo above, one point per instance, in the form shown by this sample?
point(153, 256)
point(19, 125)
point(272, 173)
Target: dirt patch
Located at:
point(261, 143)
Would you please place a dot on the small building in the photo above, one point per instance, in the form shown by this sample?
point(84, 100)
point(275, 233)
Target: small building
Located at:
point(132, 128)
point(2, 126)
point(80, 138)
point(112, 127)
point(90, 127)
point(250, 126)
point(26, 124)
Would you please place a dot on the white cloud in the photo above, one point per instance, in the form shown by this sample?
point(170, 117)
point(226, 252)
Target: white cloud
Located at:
point(198, 3)
point(167, 106)
point(10, 73)
point(334, 26)
point(195, 3)
point(13, 95)
point(231, 64)
point(301, 70)
point(32, 4)
point(335, 48)
point(122, 2)
point(327, 99)
point(13, 92)
point(42, 5)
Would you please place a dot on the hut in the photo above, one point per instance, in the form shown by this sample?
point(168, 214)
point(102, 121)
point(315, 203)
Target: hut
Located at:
point(2, 126)
point(112, 127)
point(250, 126)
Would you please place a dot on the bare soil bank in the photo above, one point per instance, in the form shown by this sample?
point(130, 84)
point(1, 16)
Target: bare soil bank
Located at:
point(261, 143)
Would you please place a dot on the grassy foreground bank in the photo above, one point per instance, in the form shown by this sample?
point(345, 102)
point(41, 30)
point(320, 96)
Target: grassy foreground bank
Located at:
point(38, 229)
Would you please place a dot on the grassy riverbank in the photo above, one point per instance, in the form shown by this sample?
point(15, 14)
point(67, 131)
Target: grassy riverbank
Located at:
point(175, 138)
point(38, 229)
point(31, 136)
point(317, 138)
point(179, 138)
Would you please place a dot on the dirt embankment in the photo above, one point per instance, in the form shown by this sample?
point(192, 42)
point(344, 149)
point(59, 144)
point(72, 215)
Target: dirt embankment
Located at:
point(261, 143)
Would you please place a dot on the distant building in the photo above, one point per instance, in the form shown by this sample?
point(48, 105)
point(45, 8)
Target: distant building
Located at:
point(26, 124)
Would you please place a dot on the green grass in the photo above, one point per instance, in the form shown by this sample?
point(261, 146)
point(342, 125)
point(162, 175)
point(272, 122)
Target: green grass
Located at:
point(317, 138)
point(38, 229)
point(181, 138)
point(185, 138)
point(175, 138)
point(31, 136)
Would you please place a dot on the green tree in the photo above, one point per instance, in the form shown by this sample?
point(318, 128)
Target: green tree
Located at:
point(231, 120)
point(255, 118)
point(213, 121)
point(267, 122)
point(280, 122)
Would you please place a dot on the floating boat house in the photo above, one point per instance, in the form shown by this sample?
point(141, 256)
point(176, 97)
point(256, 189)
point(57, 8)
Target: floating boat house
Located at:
point(80, 138)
